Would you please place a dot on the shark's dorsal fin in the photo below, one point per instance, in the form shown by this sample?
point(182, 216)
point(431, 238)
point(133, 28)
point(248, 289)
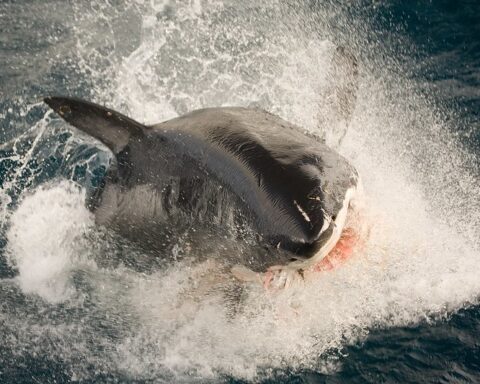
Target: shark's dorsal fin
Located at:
point(110, 127)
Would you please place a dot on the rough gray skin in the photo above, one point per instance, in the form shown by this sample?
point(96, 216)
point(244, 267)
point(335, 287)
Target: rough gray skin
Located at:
point(236, 173)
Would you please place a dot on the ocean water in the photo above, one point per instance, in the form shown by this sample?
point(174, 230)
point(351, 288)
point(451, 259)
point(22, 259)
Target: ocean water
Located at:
point(405, 309)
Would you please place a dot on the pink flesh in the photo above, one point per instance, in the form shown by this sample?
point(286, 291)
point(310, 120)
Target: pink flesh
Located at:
point(336, 257)
point(340, 254)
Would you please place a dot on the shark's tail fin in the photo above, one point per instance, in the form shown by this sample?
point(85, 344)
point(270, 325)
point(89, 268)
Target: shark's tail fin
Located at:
point(340, 97)
point(110, 127)
point(345, 73)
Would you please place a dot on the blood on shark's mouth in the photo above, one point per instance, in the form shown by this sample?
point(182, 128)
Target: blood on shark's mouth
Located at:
point(351, 238)
point(279, 277)
point(342, 251)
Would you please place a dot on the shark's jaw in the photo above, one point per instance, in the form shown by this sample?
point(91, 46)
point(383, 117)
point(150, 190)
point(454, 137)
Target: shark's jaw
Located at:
point(338, 226)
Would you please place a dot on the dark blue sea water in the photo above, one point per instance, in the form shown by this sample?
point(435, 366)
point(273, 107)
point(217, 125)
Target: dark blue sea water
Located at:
point(404, 310)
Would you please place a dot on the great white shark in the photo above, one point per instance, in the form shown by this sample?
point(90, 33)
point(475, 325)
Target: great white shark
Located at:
point(238, 168)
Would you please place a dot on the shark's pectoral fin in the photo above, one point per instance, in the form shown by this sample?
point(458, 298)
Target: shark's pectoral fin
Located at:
point(110, 127)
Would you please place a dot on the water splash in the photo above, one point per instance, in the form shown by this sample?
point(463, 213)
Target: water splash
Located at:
point(421, 189)
point(43, 240)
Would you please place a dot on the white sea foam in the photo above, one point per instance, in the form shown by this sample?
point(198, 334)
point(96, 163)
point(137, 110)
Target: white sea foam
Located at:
point(43, 237)
point(422, 255)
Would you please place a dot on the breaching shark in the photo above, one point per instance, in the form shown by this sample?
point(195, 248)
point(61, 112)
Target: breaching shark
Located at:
point(229, 167)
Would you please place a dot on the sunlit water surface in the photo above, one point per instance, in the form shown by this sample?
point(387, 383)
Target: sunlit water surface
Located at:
point(404, 309)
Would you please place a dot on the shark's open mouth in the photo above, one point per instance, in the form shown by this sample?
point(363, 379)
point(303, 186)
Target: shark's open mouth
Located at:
point(347, 237)
point(342, 251)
